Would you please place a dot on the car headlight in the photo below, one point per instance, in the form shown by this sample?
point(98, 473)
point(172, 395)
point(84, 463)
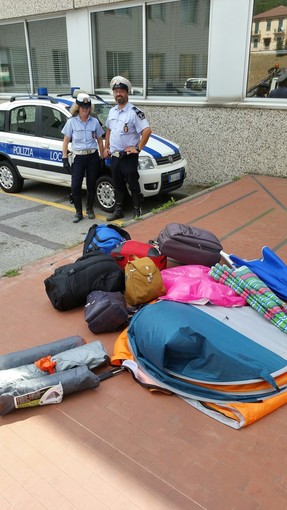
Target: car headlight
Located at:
point(145, 163)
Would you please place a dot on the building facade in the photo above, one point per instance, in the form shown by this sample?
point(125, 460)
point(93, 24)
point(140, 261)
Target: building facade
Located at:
point(269, 30)
point(168, 49)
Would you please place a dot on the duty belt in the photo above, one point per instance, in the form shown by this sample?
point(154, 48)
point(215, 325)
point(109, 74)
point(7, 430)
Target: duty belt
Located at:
point(118, 154)
point(84, 153)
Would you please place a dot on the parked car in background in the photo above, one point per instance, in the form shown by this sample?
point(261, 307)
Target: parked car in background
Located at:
point(136, 91)
point(31, 148)
point(196, 84)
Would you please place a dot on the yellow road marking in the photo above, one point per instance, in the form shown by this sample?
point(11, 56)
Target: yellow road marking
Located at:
point(53, 204)
point(40, 201)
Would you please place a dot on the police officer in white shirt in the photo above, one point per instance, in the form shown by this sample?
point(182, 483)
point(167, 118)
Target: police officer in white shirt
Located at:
point(85, 132)
point(127, 133)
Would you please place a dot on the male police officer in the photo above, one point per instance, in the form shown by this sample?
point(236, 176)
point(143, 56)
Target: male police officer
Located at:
point(127, 133)
point(281, 90)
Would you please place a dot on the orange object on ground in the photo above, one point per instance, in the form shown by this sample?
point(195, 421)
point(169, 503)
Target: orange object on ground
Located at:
point(46, 365)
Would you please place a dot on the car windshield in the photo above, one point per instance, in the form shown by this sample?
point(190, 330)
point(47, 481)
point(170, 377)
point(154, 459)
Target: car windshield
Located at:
point(102, 111)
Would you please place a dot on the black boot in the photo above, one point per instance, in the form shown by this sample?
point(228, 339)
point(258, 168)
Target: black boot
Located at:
point(137, 212)
point(78, 206)
point(90, 206)
point(78, 217)
point(118, 213)
point(137, 199)
point(91, 214)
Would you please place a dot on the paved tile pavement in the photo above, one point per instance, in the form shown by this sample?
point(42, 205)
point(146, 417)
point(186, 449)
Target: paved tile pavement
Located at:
point(119, 446)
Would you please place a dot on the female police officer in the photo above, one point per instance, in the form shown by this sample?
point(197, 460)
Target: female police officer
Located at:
point(85, 132)
point(127, 133)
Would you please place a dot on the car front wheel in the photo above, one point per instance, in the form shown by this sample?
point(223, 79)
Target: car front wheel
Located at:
point(9, 178)
point(105, 193)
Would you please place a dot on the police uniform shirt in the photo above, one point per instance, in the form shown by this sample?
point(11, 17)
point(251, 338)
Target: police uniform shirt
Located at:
point(126, 125)
point(83, 134)
point(279, 92)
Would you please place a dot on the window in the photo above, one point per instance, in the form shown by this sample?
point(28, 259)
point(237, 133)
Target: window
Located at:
point(267, 42)
point(189, 11)
point(48, 52)
point(156, 12)
point(187, 66)
point(2, 121)
point(61, 67)
point(49, 63)
point(14, 75)
point(268, 52)
point(280, 25)
point(118, 62)
point(155, 70)
point(53, 122)
point(177, 51)
point(123, 52)
point(23, 120)
point(176, 46)
point(119, 12)
point(5, 74)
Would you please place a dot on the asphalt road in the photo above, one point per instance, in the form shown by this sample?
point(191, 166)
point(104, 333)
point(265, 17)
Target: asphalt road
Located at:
point(38, 222)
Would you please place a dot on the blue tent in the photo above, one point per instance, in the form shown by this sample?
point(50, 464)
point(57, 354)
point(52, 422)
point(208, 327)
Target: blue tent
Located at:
point(194, 354)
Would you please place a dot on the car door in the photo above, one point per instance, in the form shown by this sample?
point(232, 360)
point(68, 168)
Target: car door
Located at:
point(21, 140)
point(51, 122)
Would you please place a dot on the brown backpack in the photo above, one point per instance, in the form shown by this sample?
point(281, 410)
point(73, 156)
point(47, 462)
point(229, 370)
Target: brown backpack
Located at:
point(143, 281)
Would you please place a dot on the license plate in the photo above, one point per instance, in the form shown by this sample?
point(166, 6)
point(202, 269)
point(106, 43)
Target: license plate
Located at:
point(174, 177)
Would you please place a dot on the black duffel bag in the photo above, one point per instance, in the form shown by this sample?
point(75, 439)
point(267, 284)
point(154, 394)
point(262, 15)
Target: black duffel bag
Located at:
point(69, 285)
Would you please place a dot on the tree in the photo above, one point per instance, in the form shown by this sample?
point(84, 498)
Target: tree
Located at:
point(279, 43)
point(266, 5)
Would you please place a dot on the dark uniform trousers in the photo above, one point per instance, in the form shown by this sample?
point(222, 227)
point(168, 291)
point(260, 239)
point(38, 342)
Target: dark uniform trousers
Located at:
point(125, 170)
point(89, 165)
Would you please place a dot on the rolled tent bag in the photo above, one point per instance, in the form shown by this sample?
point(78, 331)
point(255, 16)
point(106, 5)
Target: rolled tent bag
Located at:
point(91, 355)
point(49, 389)
point(26, 356)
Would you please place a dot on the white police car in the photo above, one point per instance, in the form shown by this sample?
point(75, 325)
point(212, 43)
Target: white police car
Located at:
point(31, 148)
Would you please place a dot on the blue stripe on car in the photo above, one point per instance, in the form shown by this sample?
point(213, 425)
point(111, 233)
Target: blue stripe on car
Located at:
point(165, 142)
point(65, 101)
point(152, 152)
point(23, 151)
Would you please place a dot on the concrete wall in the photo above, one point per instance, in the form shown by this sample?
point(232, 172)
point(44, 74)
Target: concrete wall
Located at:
point(18, 8)
point(222, 143)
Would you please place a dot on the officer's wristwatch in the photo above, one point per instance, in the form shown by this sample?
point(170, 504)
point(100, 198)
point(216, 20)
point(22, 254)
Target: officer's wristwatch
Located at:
point(137, 148)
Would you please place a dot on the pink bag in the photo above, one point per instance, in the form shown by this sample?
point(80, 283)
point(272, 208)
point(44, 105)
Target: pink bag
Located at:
point(192, 284)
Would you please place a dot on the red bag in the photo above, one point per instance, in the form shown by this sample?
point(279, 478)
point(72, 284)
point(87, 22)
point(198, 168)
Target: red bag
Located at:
point(126, 250)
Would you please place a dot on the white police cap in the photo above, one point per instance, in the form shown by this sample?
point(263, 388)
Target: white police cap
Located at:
point(83, 100)
point(119, 82)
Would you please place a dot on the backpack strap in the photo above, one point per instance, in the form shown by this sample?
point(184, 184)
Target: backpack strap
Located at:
point(120, 231)
point(89, 238)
